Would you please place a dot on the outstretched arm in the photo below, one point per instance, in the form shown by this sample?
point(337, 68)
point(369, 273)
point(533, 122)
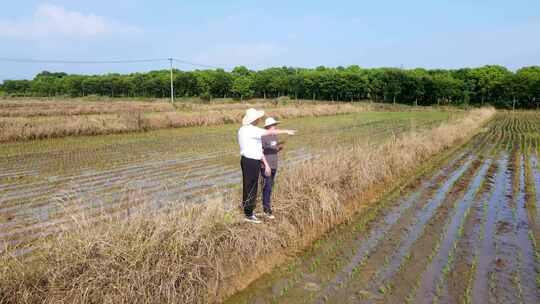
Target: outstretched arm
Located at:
point(279, 131)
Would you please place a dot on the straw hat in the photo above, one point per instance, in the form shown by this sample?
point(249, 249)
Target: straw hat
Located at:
point(270, 121)
point(251, 116)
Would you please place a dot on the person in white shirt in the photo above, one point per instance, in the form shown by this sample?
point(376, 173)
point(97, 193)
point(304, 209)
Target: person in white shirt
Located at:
point(251, 151)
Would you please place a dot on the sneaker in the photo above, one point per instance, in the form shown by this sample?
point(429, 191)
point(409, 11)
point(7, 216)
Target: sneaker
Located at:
point(252, 219)
point(269, 216)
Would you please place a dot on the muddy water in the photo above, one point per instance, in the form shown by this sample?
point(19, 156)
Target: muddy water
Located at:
point(366, 247)
point(412, 234)
point(412, 254)
point(536, 176)
point(505, 276)
point(527, 270)
point(460, 279)
point(434, 274)
point(482, 292)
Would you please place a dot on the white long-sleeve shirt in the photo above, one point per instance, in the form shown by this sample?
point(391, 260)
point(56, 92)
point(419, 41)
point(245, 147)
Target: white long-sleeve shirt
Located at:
point(249, 139)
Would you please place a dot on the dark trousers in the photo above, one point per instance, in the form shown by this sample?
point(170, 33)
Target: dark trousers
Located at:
point(250, 180)
point(268, 184)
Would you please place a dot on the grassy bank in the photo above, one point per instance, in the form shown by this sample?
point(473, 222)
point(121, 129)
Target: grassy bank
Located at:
point(203, 254)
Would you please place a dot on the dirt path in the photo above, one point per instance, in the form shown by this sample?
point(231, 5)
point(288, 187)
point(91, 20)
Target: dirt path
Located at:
point(465, 233)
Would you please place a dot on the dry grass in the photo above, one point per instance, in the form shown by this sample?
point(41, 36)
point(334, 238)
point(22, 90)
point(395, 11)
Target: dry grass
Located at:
point(27, 128)
point(210, 116)
point(30, 108)
point(202, 254)
point(29, 119)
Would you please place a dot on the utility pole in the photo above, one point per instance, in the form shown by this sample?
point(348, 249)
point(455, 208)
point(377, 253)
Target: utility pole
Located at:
point(172, 85)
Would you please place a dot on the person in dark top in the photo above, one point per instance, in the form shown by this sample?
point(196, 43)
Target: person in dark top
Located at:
point(271, 147)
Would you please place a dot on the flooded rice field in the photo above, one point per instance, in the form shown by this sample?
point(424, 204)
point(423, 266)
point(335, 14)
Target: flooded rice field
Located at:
point(45, 184)
point(466, 232)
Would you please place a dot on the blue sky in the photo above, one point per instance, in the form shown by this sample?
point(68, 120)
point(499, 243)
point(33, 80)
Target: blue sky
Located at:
point(259, 34)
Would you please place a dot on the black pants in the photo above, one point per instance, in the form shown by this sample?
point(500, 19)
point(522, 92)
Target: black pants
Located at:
point(250, 180)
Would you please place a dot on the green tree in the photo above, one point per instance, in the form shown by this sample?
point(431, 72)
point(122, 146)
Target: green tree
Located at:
point(243, 87)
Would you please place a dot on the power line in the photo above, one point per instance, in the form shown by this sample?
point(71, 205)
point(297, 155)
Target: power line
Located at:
point(196, 64)
point(26, 60)
point(31, 60)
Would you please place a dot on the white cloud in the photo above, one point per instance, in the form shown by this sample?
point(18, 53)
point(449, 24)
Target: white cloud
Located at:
point(55, 21)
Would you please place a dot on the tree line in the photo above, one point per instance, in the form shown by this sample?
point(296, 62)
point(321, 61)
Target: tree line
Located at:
point(489, 84)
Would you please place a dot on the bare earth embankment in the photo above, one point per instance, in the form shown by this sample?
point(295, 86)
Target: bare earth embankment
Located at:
point(202, 254)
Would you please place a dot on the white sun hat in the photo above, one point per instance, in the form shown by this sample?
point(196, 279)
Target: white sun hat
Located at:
point(270, 121)
point(251, 116)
